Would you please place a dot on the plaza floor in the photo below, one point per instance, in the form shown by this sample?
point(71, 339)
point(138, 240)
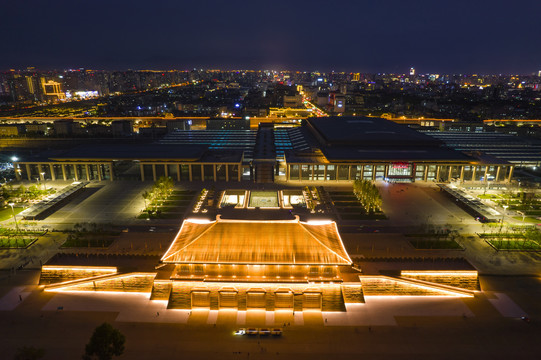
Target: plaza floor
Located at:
point(485, 327)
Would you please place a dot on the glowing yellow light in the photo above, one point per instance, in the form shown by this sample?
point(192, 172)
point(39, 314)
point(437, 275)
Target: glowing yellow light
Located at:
point(439, 273)
point(72, 268)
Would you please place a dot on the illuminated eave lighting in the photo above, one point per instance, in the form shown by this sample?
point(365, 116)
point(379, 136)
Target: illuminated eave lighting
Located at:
point(199, 221)
point(318, 222)
point(439, 273)
point(72, 268)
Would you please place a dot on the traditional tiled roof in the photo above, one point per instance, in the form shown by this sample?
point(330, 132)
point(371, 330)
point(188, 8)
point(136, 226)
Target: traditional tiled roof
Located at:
point(258, 242)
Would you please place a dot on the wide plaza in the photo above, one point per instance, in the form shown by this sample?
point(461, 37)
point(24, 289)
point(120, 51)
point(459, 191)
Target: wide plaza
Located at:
point(382, 327)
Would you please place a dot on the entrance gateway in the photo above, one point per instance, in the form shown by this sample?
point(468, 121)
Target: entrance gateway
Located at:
point(401, 172)
point(258, 264)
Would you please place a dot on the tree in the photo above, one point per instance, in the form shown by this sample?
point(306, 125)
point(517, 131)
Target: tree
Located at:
point(368, 195)
point(106, 342)
point(146, 196)
point(29, 353)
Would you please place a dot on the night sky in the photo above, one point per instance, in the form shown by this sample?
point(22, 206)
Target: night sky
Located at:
point(439, 36)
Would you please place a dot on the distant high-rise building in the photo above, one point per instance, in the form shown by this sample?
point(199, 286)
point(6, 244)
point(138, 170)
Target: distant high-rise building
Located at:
point(356, 77)
point(52, 89)
point(412, 71)
point(539, 73)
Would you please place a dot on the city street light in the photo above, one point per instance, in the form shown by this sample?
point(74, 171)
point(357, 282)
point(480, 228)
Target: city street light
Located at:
point(43, 178)
point(503, 215)
point(14, 217)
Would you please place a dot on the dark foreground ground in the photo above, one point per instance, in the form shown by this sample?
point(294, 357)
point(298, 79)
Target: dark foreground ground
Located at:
point(422, 333)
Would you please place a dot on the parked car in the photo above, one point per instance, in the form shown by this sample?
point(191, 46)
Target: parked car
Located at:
point(251, 331)
point(240, 331)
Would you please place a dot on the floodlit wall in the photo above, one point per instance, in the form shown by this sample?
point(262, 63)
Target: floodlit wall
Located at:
point(460, 279)
point(59, 274)
point(265, 296)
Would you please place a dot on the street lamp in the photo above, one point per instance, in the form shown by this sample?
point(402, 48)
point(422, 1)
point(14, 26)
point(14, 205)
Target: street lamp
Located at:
point(14, 217)
point(43, 178)
point(503, 215)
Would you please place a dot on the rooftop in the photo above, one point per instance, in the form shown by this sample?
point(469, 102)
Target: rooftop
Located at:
point(367, 132)
point(133, 151)
point(288, 242)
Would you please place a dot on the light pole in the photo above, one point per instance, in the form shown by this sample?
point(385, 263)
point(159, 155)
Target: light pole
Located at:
point(503, 215)
point(43, 178)
point(14, 217)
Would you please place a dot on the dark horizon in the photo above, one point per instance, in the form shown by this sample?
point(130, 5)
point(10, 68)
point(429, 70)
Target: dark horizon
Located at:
point(458, 37)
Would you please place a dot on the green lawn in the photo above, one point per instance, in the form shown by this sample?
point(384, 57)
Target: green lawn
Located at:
point(515, 245)
point(6, 213)
point(424, 244)
point(15, 242)
point(528, 219)
point(502, 235)
point(488, 196)
point(428, 235)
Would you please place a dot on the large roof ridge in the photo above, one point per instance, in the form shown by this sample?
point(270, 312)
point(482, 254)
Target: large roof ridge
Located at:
point(213, 223)
point(248, 241)
point(303, 225)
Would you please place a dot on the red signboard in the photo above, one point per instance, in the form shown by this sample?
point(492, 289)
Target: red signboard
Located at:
point(401, 165)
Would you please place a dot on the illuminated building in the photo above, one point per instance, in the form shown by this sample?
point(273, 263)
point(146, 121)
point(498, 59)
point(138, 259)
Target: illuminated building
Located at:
point(52, 89)
point(258, 264)
point(324, 149)
point(289, 264)
point(348, 148)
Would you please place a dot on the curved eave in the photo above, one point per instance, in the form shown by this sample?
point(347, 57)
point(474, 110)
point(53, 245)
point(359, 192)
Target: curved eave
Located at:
point(258, 264)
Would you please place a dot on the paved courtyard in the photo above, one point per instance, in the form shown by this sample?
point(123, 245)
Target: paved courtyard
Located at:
point(383, 328)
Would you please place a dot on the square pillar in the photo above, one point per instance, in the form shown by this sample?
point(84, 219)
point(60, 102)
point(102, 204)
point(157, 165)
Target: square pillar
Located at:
point(53, 175)
point(142, 169)
point(87, 174)
point(28, 172)
point(17, 174)
point(497, 178)
point(64, 172)
point(462, 173)
point(227, 172)
point(214, 171)
point(178, 172)
point(190, 171)
point(437, 173)
point(154, 172)
point(510, 174)
point(111, 171)
point(473, 173)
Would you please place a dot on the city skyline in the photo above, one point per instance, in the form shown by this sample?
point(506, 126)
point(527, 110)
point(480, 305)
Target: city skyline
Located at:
point(444, 37)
